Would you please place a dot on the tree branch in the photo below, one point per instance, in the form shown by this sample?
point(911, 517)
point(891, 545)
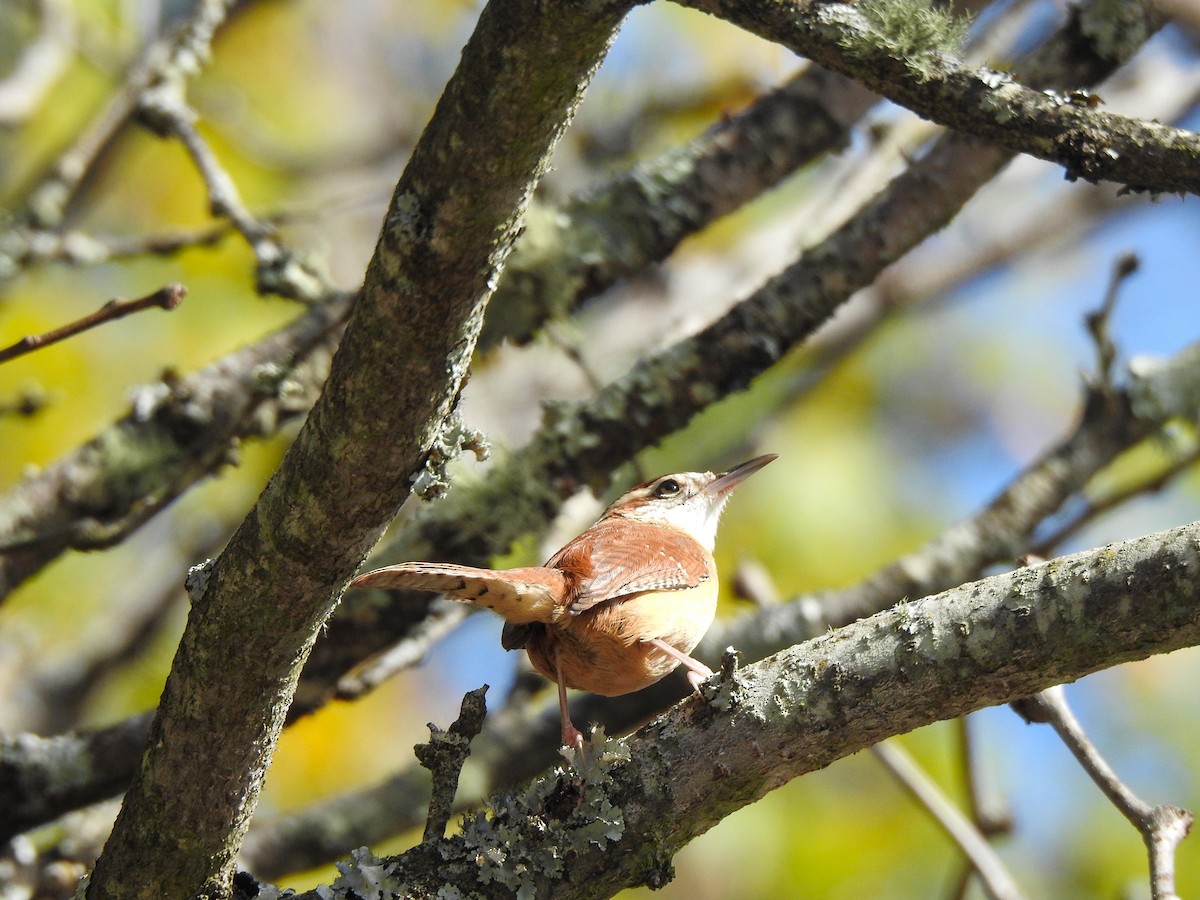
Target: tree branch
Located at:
point(575, 251)
point(877, 44)
point(166, 298)
point(178, 432)
point(997, 881)
point(41, 778)
point(621, 820)
point(393, 384)
point(1161, 827)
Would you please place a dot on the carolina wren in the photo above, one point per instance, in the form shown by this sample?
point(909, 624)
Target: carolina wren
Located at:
point(618, 607)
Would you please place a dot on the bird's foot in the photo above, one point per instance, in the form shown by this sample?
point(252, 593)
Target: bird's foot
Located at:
point(698, 672)
point(571, 736)
point(697, 675)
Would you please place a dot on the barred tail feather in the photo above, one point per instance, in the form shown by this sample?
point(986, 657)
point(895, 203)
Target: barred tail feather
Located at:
point(523, 595)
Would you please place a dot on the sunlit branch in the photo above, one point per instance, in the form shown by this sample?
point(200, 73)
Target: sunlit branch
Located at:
point(167, 298)
point(1161, 827)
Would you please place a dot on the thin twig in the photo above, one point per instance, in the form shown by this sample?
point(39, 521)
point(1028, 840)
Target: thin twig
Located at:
point(1097, 322)
point(166, 298)
point(1161, 827)
point(444, 756)
point(997, 882)
point(988, 811)
point(279, 270)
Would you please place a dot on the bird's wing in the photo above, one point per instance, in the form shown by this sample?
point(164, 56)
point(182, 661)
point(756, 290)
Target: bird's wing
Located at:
point(520, 595)
point(622, 557)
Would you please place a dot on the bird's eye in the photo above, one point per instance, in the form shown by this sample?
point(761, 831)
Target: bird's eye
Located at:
point(668, 487)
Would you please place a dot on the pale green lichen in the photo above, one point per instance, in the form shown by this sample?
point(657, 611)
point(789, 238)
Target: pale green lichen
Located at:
point(1117, 28)
point(519, 844)
point(196, 582)
point(1161, 389)
point(432, 482)
point(909, 30)
point(365, 875)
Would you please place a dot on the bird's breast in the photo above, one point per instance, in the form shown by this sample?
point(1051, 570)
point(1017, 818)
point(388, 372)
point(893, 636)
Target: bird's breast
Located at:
point(603, 649)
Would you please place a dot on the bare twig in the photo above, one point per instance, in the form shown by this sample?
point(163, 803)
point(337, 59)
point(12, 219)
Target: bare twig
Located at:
point(175, 57)
point(990, 814)
point(279, 270)
point(997, 882)
point(1182, 460)
point(1161, 827)
point(22, 248)
point(1098, 321)
point(166, 298)
point(444, 756)
point(988, 810)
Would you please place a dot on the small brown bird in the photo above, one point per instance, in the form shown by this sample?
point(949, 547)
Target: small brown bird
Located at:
point(618, 607)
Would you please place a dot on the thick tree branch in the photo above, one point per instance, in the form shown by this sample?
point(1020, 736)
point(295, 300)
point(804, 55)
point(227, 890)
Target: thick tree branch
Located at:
point(877, 44)
point(618, 821)
point(393, 384)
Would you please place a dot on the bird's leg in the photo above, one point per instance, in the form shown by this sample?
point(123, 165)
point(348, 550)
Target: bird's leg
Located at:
point(571, 736)
point(698, 672)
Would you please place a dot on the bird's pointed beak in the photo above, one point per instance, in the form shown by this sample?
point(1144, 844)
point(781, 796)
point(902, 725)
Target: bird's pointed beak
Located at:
point(728, 480)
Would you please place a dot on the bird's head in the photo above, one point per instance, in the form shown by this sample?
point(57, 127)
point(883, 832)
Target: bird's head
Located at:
point(690, 501)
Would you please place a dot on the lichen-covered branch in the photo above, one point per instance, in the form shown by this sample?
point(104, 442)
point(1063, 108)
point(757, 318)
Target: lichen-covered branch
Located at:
point(901, 50)
point(179, 431)
point(393, 383)
point(633, 804)
point(574, 251)
point(42, 778)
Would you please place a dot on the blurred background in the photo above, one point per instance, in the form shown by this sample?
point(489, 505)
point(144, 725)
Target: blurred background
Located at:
point(976, 368)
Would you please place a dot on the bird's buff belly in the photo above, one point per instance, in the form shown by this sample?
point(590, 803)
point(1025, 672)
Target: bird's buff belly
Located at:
point(604, 650)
